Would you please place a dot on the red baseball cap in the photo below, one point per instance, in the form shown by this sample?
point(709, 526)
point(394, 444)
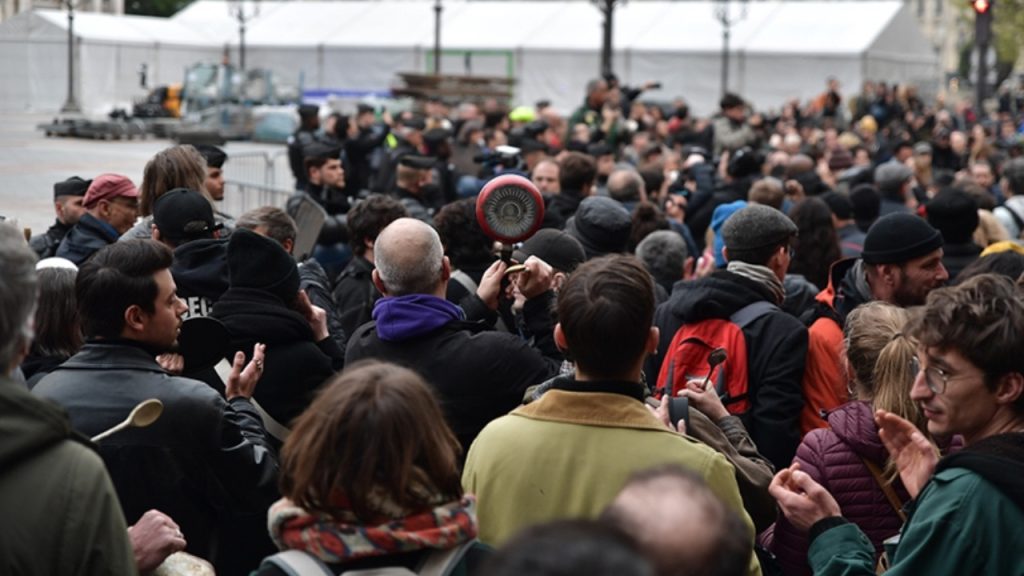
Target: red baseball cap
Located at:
point(108, 187)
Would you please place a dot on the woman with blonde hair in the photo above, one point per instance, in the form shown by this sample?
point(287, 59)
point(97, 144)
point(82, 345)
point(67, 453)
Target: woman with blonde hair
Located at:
point(848, 457)
point(370, 479)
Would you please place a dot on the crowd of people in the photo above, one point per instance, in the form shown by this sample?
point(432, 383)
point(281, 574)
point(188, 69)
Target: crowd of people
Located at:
point(747, 344)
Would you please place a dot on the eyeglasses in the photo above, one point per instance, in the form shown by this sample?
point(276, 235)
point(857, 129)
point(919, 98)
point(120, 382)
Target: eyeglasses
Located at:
point(935, 378)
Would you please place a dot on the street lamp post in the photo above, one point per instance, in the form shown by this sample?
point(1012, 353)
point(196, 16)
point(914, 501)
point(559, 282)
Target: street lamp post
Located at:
point(71, 104)
point(722, 15)
point(607, 8)
point(437, 37)
point(238, 11)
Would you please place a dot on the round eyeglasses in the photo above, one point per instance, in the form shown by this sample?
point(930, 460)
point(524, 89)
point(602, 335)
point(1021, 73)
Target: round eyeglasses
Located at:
point(935, 378)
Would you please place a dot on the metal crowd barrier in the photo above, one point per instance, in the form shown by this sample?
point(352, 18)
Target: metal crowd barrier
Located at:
point(254, 179)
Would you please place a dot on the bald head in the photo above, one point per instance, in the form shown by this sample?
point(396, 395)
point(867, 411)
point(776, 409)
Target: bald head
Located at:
point(409, 259)
point(626, 186)
point(798, 164)
point(680, 525)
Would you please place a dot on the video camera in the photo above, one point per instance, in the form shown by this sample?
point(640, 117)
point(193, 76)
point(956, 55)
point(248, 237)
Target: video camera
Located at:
point(500, 159)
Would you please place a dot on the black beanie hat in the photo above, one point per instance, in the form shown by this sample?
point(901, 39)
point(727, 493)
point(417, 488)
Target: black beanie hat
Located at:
point(258, 262)
point(898, 238)
point(866, 204)
point(954, 213)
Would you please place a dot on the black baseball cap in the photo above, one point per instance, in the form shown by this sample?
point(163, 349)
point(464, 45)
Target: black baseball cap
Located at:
point(182, 215)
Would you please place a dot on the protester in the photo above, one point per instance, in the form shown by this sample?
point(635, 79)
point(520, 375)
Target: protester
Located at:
point(570, 547)
point(679, 523)
point(175, 167)
point(223, 467)
point(851, 238)
point(62, 513)
point(816, 246)
point(369, 478)
point(542, 462)
point(664, 254)
point(470, 251)
point(966, 508)
point(848, 457)
point(757, 245)
point(183, 221)
point(901, 263)
point(546, 177)
point(955, 215)
point(263, 304)
point(477, 374)
point(58, 332)
point(575, 180)
point(111, 204)
point(304, 135)
point(354, 293)
point(276, 224)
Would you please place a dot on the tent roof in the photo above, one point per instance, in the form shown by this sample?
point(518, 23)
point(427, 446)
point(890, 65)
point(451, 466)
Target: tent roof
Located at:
point(775, 26)
point(127, 29)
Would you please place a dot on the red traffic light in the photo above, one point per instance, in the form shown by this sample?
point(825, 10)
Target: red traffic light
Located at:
point(981, 6)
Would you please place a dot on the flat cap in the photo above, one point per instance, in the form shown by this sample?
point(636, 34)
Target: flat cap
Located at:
point(757, 226)
point(892, 174)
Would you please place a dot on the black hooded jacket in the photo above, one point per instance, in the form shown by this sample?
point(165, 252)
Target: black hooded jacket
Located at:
point(200, 271)
point(776, 351)
point(295, 365)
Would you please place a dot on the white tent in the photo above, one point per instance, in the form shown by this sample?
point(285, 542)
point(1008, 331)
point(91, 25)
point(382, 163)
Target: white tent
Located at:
point(779, 49)
point(109, 50)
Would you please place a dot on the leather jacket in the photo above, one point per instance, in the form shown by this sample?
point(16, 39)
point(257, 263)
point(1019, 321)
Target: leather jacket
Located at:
point(203, 462)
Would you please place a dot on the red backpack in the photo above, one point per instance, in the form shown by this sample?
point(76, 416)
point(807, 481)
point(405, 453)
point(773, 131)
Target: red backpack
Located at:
point(687, 356)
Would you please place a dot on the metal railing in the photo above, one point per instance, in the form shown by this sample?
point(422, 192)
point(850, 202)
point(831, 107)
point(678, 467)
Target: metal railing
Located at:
point(254, 179)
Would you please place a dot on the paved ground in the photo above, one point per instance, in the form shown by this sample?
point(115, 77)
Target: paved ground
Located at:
point(30, 163)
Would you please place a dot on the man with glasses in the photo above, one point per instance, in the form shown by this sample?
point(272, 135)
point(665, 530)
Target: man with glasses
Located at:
point(901, 263)
point(967, 508)
point(111, 204)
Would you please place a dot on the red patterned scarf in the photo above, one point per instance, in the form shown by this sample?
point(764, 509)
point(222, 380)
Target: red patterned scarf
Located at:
point(343, 538)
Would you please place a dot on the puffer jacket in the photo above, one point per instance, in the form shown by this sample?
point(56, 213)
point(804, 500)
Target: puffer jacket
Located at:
point(834, 458)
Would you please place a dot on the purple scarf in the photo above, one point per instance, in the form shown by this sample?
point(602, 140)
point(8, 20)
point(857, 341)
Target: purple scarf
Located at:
point(403, 317)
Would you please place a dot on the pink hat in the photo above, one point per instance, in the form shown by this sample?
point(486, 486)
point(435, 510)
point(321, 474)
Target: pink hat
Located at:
point(108, 187)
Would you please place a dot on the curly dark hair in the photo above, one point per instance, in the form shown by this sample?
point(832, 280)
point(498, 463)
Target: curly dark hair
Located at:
point(646, 219)
point(464, 241)
point(367, 218)
point(817, 245)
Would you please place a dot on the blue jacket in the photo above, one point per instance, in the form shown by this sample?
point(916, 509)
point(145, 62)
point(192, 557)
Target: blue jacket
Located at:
point(86, 238)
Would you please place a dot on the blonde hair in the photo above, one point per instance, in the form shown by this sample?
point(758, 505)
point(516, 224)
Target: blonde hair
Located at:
point(879, 354)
